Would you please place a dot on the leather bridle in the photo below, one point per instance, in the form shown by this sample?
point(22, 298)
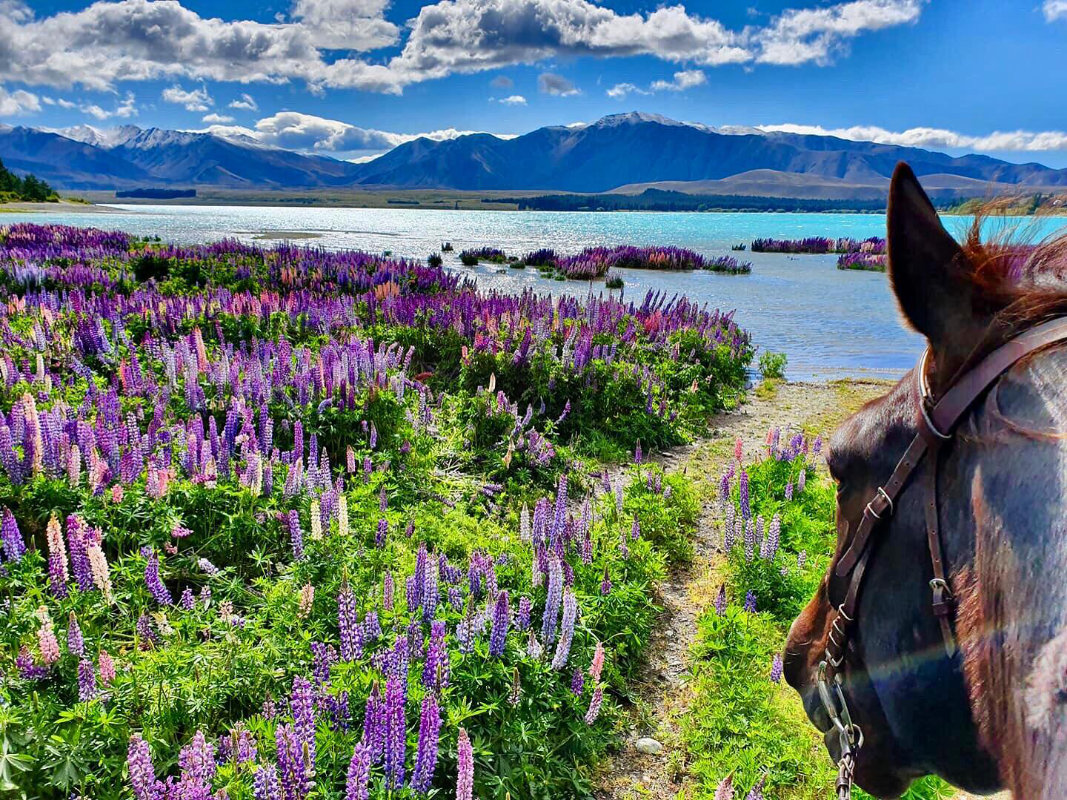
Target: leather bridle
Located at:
point(937, 422)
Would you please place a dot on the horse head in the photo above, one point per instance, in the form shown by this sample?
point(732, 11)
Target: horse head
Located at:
point(924, 705)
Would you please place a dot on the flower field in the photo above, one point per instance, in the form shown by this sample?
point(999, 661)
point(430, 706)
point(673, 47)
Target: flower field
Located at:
point(815, 245)
point(281, 523)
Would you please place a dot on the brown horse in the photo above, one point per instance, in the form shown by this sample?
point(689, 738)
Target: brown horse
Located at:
point(991, 713)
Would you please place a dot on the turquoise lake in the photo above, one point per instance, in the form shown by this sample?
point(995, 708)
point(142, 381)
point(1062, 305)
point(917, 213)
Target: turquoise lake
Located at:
point(829, 323)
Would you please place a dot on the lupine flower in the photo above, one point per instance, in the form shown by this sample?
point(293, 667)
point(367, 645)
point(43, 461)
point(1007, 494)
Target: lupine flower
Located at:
point(776, 668)
point(789, 491)
point(387, 591)
point(726, 789)
point(739, 449)
point(746, 509)
point(46, 637)
point(770, 543)
point(187, 601)
point(142, 773)
point(750, 540)
point(265, 784)
point(605, 583)
point(197, 759)
point(207, 567)
point(577, 682)
point(152, 580)
point(86, 681)
point(307, 598)
point(28, 670)
point(563, 646)
point(465, 767)
point(14, 546)
point(724, 490)
point(802, 480)
point(720, 601)
point(57, 559)
point(348, 623)
point(553, 597)
point(245, 745)
point(534, 649)
point(302, 703)
point(435, 668)
point(290, 763)
point(107, 668)
point(342, 516)
point(296, 535)
point(595, 703)
point(501, 621)
point(522, 619)
point(75, 640)
point(382, 534)
point(757, 791)
point(426, 751)
point(635, 530)
point(98, 567)
point(356, 787)
point(395, 733)
point(145, 633)
point(802, 558)
point(750, 602)
point(596, 666)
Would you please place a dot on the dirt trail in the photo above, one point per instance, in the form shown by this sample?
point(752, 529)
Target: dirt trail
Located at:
point(663, 696)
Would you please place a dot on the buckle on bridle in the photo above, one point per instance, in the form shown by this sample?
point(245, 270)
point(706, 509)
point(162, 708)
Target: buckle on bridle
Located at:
point(850, 735)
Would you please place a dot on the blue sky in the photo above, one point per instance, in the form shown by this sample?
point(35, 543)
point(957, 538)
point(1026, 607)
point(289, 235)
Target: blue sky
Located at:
point(350, 78)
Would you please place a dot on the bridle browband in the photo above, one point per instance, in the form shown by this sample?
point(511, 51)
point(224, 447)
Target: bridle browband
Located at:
point(937, 425)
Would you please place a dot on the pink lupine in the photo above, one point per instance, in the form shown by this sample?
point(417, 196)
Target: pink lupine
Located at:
point(465, 767)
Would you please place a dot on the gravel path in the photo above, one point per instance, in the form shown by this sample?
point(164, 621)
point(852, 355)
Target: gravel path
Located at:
point(663, 696)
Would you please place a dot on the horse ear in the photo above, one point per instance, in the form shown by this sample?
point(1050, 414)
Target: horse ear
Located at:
point(927, 268)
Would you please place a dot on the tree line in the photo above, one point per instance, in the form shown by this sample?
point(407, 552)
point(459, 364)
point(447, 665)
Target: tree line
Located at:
point(30, 188)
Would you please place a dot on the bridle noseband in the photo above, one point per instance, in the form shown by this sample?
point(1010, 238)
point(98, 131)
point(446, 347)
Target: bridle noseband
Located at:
point(937, 424)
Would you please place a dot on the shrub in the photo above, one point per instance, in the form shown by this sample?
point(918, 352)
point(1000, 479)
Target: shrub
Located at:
point(772, 365)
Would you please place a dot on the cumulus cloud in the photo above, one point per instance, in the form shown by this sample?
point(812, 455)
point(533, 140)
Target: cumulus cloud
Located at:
point(195, 100)
point(309, 133)
point(1055, 9)
point(123, 110)
point(513, 100)
point(998, 141)
point(621, 90)
point(686, 79)
point(245, 103)
point(18, 102)
point(322, 42)
point(551, 83)
point(217, 119)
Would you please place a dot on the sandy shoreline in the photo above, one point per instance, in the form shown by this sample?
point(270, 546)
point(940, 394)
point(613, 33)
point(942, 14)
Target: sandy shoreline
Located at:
point(61, 207)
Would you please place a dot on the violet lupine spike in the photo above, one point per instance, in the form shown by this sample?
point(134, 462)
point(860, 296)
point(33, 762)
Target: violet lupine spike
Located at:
point(296, 535)
point(197, 759)
point(605, 583)
point(86, 681)
point(577, 682)
point(464, 767)
point(746, 509)
point(265, 784)
point(302, 703)
point(553, 598)
point(358, 778)
point(426, 751)
point(720, 601)
point(290, 763)
point(435, 668)
point(750, 602)
point(756, 793)
point(13, 544)
point(142, 773)
point(395, 733)
point(522, 618)
point(75, 640)
point(563, 646)
point(374, 726)
point(776, 668)
point(348, 624)
point(501, 622)
point(152, 580)
point(595, 703)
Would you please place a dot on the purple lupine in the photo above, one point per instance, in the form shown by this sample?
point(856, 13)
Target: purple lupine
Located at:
point(382, 534)
point(769, 548)
point(290, 763)
point(302, 703)
point(789, 490)
point(142, 773)
point(435, 667)
point(725, 789)
point(720, 601)
point(605, 583)
point(245, 748)
point(501, 622)
point(802, 480)
point(566, 636)
point(577, 682)
point(635, 530)
point(522, 619)
point(197, 759)
point(356, 786)
point(348, 624)
point(387, 591)
point(265, 783)
point(802, 558)
point(750, 602)
point(638, 458)
point(28, 670)
point(724, 490)
point(188, 602)
point(78, 546)
point(553, 597)
point(756, 793)
point(374, 726)
point(750, 540)
point(746, 509)
point(146, 633)
point(595, 703)
point(152, 580)
point(296, 535)
point(395, 733)
point(426, 752)
point(75, 640)
point(776, 668)
point(86, 681)
point(14, 546)
point(464, 767)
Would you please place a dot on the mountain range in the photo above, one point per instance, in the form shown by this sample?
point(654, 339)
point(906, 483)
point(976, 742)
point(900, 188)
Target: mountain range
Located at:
point(622, 152)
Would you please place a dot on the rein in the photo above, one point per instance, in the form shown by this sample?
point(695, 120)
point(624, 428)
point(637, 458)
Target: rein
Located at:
point(937, 425)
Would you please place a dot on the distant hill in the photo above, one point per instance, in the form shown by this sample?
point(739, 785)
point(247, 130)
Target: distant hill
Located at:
point(621, 154)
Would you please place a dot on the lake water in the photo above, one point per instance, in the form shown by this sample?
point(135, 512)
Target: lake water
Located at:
point(829, 322)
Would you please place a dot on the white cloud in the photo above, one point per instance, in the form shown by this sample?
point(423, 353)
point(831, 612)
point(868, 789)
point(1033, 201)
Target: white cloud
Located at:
point(18, 102)
point(998, 141)
point(124, 110)
point(551, 83)
point(621, 90)
point(322, 41)
point(308, 133)
point(195, 100)
point(513, 100)
point(1055, 9)
point(686, 79)
point(246, 103)
point(217, 119)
